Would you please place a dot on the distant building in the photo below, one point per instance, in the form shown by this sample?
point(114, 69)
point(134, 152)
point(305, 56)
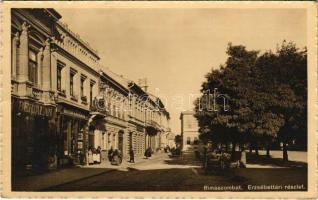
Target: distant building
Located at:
point(170, 140)
point(189, 130)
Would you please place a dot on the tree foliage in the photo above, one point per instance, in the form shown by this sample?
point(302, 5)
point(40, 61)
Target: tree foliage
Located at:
point(265, 96)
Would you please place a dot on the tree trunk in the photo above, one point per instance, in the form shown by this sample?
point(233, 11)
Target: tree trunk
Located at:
point(256, 148)
point(285, 153)
point(268, 149)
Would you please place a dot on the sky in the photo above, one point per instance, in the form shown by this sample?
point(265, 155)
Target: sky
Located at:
point(174, 48)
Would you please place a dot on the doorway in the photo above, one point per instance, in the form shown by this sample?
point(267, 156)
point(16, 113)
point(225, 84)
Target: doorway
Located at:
point(121, 141)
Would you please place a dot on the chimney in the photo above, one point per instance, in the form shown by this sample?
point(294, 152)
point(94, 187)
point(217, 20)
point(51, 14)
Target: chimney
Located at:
point(143, 84)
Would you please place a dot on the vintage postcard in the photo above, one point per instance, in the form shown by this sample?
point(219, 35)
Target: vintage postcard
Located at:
point(159, 99)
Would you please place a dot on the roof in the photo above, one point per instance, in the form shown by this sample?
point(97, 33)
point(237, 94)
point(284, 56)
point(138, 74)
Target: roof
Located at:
point(116, 77)
point(77, 37)
point(54, 13)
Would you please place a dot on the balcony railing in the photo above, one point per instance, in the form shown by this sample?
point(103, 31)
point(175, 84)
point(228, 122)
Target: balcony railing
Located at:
point(84, 100)
point(74, 97)
point(37, 93)
point(62, 93)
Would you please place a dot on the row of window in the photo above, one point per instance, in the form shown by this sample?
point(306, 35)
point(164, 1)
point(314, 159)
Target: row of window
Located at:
point(72, 74)
point(34, 77)
point(137, 110)
point(143, 114)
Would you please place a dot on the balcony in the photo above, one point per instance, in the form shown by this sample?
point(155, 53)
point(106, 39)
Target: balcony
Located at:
point(36, 93)
point(152, 123)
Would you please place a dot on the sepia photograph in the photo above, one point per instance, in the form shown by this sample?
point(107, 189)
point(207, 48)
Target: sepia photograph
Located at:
point(161, 98)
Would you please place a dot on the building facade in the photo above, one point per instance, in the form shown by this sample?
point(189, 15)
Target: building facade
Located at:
point(74, 66)
point(189, 130)
point(32, 97)
point(132, 119)
point(64, 103)
point(111, 100)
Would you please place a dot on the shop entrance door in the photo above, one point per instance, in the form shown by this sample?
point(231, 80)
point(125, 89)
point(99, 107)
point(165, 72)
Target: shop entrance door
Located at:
point(121, 141)
point(41, 145)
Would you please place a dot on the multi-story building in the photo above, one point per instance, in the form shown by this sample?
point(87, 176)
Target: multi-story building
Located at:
point(63, 103)
point(189, 130)
point(133, 118)
point(113, 101)
point(158, 119)
point(75, 79)
point(32, 96)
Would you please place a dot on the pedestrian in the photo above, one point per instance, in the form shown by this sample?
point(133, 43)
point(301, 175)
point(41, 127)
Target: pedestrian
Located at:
point(110, 154)
point(98, 152)
point(116, 160)
point(132, 155)
point(90, 156)
point(147, 153)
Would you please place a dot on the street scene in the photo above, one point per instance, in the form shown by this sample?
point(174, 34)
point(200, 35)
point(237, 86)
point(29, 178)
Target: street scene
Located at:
point(120, 102)
point(166, 173)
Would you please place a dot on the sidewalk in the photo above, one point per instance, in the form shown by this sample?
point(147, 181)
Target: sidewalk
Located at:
point(64, 176)
point(126, 164)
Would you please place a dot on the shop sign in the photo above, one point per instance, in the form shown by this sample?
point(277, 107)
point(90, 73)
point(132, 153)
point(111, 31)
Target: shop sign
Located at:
point(35, 109)
point(74, 113)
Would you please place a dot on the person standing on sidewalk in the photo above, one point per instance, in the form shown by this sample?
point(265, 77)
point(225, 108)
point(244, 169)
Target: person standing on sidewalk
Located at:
point(110, 154)
point(131, 155)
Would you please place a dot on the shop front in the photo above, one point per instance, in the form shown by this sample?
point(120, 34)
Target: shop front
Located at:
point(73, 134)
point(136, 140)
point(33, 136)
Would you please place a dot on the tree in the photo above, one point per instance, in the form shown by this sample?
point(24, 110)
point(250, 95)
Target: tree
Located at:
point(286, 76)
point(266, 97)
